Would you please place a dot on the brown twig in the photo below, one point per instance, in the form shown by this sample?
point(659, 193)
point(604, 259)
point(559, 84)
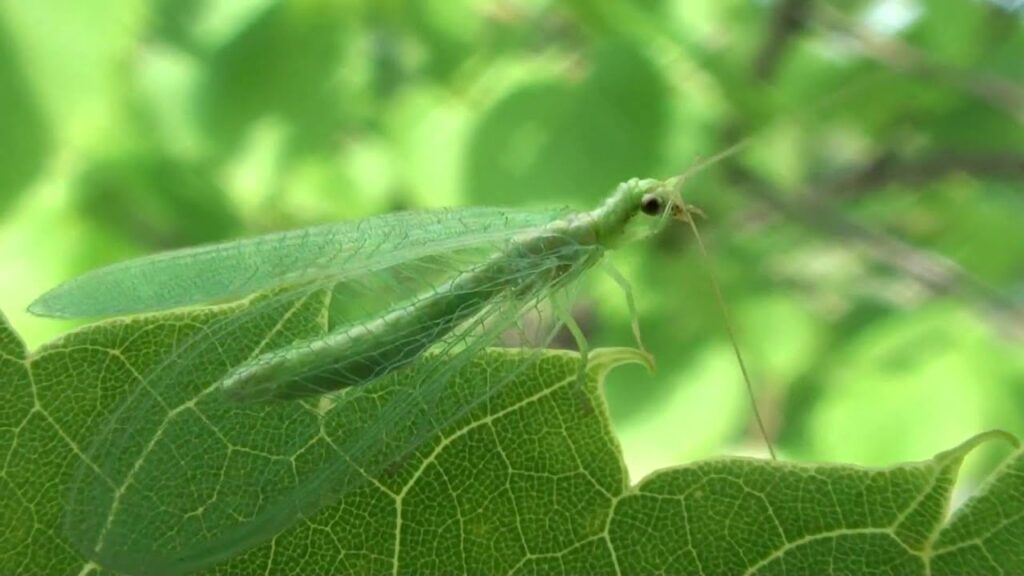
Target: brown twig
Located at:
point(888, 168)
point(788, 20)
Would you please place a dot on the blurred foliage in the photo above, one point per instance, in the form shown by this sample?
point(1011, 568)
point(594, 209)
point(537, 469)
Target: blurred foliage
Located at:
point(868, 238)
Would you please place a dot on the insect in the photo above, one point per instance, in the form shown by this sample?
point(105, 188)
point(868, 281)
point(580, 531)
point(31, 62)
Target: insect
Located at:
point(313, 319)
point(542, 252)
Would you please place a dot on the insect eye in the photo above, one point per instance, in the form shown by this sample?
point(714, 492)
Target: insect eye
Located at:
point(651, 205)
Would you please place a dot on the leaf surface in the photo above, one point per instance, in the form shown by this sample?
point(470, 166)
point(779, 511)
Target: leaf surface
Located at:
point(530, 481)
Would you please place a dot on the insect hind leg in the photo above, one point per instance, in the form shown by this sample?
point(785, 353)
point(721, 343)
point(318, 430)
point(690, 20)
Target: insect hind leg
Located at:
point(561, 302)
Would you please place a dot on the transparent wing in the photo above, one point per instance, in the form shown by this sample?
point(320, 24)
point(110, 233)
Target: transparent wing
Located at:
point(230, 270)
point(179, 477)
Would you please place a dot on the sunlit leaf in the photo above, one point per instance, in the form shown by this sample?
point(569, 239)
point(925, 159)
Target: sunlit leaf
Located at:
point(530, 481)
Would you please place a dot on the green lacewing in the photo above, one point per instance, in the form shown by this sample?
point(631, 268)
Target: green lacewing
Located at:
point(539, 257)
point(417, 290)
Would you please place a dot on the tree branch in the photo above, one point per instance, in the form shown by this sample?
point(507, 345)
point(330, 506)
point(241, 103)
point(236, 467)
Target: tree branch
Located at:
point(1000, 93)
point(937, 273)
point(887, 168)
point(788, 19)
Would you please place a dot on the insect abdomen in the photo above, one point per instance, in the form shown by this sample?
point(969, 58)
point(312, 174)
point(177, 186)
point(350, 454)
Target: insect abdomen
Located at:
point(360, 353)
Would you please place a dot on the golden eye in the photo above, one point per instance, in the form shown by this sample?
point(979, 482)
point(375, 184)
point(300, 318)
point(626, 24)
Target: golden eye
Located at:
point(651, 204)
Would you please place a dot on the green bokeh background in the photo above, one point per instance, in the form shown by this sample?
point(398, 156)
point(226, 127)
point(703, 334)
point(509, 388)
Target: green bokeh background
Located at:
point(870, 239)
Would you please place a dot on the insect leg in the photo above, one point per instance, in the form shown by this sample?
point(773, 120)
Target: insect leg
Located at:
point(627, 290)
point(561, 304)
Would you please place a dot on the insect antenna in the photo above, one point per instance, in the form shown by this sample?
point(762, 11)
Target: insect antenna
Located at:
point(687, 214)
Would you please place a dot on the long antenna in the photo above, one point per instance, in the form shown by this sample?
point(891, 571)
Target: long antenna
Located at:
point(687, 213)
point(732, 336)
point(676, 182)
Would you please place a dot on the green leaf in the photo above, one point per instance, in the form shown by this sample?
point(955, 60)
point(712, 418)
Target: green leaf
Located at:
point(25, 137)
point(530, 481)
point(72, 58)
point(142, 196)
point(890, 367)
point(281, 64)
point(540, 141)
point(952, 32)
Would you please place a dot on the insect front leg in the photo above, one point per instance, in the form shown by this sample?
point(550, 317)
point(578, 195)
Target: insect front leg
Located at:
point(627, 290)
